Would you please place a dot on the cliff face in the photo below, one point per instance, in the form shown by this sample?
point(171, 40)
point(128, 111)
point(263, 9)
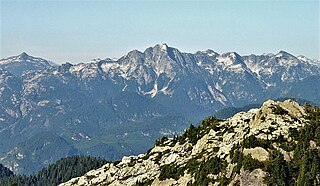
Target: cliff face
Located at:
point(263, 145)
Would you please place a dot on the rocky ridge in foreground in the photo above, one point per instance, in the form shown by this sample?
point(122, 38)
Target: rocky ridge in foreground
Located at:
point(278, 143)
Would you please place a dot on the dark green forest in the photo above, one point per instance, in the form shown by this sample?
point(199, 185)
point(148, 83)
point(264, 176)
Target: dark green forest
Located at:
point(59, 172)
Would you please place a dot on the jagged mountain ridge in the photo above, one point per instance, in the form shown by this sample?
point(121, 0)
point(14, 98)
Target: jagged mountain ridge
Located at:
point(155, 72)
point(116, 104)
point(246, 149)
point(218, 80)
point(23, 62)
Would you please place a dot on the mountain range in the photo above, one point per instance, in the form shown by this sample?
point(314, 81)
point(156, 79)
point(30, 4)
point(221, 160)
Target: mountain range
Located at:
point(111, 108)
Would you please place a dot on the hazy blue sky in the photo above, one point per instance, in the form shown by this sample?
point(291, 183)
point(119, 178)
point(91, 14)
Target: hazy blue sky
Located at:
point(77, 31)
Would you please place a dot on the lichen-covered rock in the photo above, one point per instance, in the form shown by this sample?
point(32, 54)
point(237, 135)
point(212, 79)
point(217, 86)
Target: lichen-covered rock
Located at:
point(254, 178)
point(258, 153)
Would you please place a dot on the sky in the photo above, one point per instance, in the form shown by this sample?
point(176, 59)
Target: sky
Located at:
point(78, 31)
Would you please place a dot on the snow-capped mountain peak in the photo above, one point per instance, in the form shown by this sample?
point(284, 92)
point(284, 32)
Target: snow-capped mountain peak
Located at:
point(163, 46)
point(211, 53)
point(23, 56)
point(284, 54)
point(24, 62)
point(303, 58)
point(95, 60)
point(307, 60)
point(230, 59)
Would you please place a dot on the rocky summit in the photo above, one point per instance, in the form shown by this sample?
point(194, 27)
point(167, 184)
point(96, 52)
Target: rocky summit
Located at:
point(276, 144)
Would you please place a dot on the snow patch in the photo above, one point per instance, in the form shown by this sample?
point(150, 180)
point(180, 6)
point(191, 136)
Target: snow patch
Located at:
point(217, 96)
point(163, 47)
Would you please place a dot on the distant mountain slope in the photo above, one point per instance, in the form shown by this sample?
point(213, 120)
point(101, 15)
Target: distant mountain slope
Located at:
point(277, 144)
point(23, 62)
point(37, 152)
point(117, 107)
point(230, 111)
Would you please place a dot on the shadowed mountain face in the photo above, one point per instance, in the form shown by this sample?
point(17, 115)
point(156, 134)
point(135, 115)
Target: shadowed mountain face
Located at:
point(118, 107)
